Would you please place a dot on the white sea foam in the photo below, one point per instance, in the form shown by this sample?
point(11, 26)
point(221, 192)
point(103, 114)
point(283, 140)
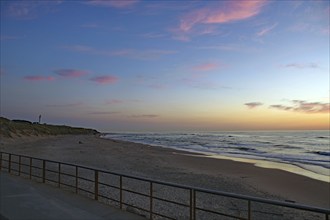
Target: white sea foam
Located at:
point(307, 151)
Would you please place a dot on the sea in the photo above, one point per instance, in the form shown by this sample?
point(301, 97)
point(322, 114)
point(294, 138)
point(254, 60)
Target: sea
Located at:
point(303, 152)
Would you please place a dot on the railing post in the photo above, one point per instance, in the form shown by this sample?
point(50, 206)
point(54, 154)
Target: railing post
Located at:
point(30, 167)
point(151, 200)
point(9, 163)
point(249, 209)
point(43, 171)
point(121, 192)
point(76, 179)
point(191, 205)
point(0, 161)
point(194, 204)
point(326, 216)
point(19, 164)
point(96, 186)
point(59, 175)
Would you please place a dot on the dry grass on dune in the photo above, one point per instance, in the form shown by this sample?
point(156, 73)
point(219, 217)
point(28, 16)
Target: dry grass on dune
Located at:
point(14, 128)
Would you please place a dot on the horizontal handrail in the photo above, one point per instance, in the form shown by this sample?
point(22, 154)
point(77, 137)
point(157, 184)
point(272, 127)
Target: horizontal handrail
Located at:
point(262, 200)
point(193, 190)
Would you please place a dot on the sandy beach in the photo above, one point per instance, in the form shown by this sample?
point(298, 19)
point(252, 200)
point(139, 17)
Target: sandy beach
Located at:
point(174, 166)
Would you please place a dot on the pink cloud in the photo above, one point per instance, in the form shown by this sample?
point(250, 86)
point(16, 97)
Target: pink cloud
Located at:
point(311, 107)
point(105, 79)
point(39, 78)
point(71, 73)
point(235, 10)
point(113, 3)
point(205, 67)
point(304, 107)
point(193, 18)
point(230, 11)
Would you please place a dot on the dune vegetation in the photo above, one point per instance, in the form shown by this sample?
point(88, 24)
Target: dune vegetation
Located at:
point(17, 128)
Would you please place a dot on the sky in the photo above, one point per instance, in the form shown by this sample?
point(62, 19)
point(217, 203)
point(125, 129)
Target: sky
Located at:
point(156, 66)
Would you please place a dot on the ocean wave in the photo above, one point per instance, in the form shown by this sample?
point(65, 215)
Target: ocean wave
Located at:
point(286, 146)
point(305, 148)
point(323, 153)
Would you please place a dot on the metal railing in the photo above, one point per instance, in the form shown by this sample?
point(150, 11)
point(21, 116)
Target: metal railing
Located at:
point(112, 187)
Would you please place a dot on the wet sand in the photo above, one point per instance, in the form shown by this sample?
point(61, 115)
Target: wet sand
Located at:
point(174, 166)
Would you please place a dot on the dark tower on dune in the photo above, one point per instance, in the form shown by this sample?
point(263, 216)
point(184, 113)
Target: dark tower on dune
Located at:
point(39, 119)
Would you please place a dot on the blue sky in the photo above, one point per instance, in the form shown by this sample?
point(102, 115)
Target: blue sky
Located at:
point(167, 65)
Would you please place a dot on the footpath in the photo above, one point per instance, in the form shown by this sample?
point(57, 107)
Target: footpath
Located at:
point(22, 199)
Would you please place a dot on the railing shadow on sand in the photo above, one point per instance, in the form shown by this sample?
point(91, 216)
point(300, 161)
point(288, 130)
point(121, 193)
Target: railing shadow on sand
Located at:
point(151, 198)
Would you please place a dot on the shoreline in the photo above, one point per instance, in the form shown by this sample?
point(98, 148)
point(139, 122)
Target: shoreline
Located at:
point(267, 164)
point(263, 163)
point(291, 168)
point(170, 165)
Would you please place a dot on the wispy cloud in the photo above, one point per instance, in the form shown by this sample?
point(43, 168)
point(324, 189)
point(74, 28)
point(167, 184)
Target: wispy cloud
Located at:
point(229, 11)
point(114, 102)
point(71, 73)
point(252, 105)
point(104, 113)
point(29, 9)
point(266, 30)
point(148, 54)
point(39, 78)
point(121, 101)
point(105, 79)
point(22, 9)
point(302, 65)
point(311, 28)
point(281, 107)
point(66, 105)
point(79, 48)
point(300, 27)
point(205, 67)
point(8, 37)
point(325, 30)
point(113, 3)
point(304, 107)
point(229, 48)
point(145, 116)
